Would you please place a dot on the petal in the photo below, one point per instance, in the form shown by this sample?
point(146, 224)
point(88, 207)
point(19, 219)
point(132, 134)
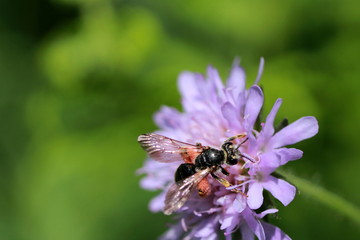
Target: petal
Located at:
point(274, 233)
point(266, 212)
point(246, 233)
point(168, 118)
point(206, 229)
point(221, 200)
point(188, 86)
point(255, 197)
point(253, 145)
point(297, 131)
point(253, 106)
point(232, 116)
point(228, 237)
point(157, 203)
point(191, 87)
point(270, 161)
point(240, 102)
point(213, 236)
point(239, 203)
point(151, 182)
point(288, 154)
point(260, 71)
point(226, 222)
point(254, 224)
point(236, 80)
point(214, 78)
point(268, 129)
point(173, 233)
point(280, 189)
point(158, 174)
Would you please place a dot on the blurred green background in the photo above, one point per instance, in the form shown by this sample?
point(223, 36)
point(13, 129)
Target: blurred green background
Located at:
point(80, 79)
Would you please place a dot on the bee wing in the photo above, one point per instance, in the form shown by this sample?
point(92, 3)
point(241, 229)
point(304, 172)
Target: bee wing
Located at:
point(179, 193)
point(164, 149)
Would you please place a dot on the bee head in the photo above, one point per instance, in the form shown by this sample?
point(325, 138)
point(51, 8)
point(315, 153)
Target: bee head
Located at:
point(231, 153)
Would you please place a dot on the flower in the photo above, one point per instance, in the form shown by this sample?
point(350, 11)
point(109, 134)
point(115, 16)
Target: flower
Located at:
point(268, 149)
point(213, 112)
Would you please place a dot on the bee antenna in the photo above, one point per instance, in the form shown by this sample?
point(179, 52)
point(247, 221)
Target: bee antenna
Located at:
point(241, 143)
point(247, 157)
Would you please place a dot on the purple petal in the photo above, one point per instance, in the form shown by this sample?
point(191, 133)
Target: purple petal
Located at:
point(188, 85)
point(228, 237)
point(168, 118)
point(246, 233)
point(268, 129)
point(261, 69)
point(253, 145)
point(215, 79)
point(239, 203)
point(266, 212)
point(253, 106)
point(255, 197)
point(152, 183)
point(230, 221)
point(270, 161)
point(254, 224)
point(240, 102)
point(297, 131)
point(157, 203)
point(158, 174)
point(192, 89)
point(288, 154)
point(231, 114)
point(174, 232)
point(274, 233)
point(280, 189)
point(236, 80)
point(221, 200)
point(213, 236)
point(205, 230)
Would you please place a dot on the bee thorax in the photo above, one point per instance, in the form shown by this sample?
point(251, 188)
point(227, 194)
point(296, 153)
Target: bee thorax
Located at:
point(209, 157)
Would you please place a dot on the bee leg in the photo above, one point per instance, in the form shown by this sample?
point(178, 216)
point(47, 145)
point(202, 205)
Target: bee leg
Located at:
point(221, 180)
point(227, 184)
point(224, 171)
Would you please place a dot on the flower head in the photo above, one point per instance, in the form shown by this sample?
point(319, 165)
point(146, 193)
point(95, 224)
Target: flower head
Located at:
point(213, 112)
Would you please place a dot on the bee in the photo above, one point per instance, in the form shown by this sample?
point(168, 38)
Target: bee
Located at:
point(199, 162)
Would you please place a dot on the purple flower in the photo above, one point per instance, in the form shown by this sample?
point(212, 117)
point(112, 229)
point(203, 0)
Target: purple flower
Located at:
point(269, 154)
point(213, 112)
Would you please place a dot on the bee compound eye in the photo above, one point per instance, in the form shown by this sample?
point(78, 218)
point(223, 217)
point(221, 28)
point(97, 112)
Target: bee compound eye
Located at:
point(232, 160)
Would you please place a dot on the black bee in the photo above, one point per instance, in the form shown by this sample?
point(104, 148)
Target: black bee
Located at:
point(200, 161)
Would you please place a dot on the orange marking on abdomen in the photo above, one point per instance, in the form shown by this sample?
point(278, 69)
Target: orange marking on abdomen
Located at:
point(204, 187)
point(189, 155)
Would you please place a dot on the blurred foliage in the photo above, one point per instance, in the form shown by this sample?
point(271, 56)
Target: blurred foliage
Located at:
point(80, 79)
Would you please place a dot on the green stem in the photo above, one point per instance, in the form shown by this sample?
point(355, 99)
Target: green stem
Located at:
point(324, 196)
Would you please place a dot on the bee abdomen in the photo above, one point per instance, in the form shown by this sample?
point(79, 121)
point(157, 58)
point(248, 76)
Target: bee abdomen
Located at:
point(204, 188)
point(184, 171)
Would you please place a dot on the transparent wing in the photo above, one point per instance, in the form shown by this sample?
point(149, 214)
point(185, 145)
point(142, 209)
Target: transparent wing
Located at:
point(164, 149)
point(179, 193)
